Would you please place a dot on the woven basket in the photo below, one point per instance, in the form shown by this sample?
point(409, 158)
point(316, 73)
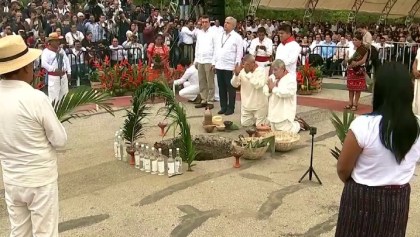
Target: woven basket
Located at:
point(250, 153)
point(285, 141)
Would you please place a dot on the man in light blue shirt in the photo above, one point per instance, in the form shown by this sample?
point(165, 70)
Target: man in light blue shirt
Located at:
point(328, 49)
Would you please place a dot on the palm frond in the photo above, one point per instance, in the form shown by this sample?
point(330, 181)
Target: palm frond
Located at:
point(133, 128)
point(335, 152)
point(65, 108)
point(342, 127)
point(174, 111)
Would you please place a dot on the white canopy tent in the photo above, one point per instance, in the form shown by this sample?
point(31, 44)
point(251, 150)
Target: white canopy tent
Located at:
point(388, 8)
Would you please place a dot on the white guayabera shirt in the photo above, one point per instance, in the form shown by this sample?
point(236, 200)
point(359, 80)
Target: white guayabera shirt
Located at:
point(30, 133)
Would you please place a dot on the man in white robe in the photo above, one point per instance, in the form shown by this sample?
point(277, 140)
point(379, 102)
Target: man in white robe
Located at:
point(254, 104)
point(282, 103)
point(262, 49)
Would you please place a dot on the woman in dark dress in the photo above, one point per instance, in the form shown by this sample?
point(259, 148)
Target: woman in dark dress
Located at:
point(356, 72)
point(378, 160)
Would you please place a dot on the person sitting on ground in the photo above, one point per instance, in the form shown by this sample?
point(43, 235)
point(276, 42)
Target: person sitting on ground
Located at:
point(251, 78)
point(189, 81)
point(282, 104)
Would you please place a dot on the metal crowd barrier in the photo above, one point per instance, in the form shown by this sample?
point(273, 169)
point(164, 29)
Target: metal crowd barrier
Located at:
point(329, 58)
point(82, 63)
point(402, 52)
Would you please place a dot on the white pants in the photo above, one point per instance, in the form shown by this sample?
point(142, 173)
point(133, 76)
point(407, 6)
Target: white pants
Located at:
point(287, 126)
point(32, 211)
point(251, 117)
point(216, 89)
point(57, 87)
point(189, 91)
point(416, 100)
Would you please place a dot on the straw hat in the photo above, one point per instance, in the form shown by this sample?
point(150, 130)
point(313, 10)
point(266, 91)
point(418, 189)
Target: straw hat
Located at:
point(14, 54)
point(54, 36)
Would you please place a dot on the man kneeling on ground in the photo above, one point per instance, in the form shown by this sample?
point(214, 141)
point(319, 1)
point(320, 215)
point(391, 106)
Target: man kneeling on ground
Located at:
point(251, 79)
point(282, 104)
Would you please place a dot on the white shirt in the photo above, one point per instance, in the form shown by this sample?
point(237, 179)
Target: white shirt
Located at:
point(228, 51)
point(118, 53)
point(71, 37)
point(267, 42)
point(191, 75)
point(376, 165)
point(282, 102)
point(204, 48)
point(77, 56)
point(252, 83)
point(314, 48)
point(49, 61)
point(289, 54)
point(30, 132)
point(217, 29)
point(187, 35)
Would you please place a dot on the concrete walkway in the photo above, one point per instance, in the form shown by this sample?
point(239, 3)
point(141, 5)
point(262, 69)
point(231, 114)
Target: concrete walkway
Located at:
point(100, 196)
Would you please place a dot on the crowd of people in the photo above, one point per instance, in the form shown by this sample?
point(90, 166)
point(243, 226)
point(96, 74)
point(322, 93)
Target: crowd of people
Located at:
point(259, 56)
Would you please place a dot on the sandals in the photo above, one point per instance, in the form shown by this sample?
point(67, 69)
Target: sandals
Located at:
point(353, 108)
point(304, 125)
point(348, 106)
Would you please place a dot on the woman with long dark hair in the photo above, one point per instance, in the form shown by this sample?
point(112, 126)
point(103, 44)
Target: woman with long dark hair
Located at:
point(378, 160)
point(356, 72)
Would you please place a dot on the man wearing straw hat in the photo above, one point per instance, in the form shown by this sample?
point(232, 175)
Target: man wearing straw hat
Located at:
point(30, 133)
point(55, 61)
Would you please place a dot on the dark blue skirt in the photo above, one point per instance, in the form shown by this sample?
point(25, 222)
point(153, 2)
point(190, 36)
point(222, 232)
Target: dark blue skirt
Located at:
point(373, 211)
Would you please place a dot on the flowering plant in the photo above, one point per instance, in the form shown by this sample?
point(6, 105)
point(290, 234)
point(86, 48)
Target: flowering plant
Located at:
point(308, 77)
point(39, 79)
point(120, 77)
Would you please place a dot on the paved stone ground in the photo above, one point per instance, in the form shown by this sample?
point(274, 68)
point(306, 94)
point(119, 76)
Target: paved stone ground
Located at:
point(100, 196)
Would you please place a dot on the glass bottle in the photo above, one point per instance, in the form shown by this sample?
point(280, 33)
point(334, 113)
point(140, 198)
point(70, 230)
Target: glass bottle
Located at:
point(153, 161)
point(161, 163)
point(137, 156)
point(178, 162)
point(120, 148)
point(142, 155)
point(117, 147)
point(147, 160)
point(123, 150)
point(171, 164)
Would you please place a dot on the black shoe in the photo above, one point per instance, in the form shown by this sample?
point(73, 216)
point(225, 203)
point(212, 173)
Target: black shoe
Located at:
point(210, 106)
point(197, 100)
point(229, 112)
point(201, 105)
point(221, 112)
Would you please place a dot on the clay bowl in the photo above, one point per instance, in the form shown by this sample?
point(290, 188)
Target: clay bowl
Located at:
point(262, 130)
point(209, 128)
point(220, 128)
point(227, 124)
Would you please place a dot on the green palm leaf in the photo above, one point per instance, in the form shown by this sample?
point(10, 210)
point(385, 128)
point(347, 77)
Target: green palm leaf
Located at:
point(65, 108)
point(341, 128)
point(173, 110)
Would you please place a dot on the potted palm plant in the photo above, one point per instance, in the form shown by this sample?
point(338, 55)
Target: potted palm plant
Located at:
point(341, 129)
point(176, 112)
point(133, 128)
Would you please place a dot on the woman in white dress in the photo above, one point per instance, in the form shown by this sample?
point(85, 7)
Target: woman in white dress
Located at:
point(416, 72)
